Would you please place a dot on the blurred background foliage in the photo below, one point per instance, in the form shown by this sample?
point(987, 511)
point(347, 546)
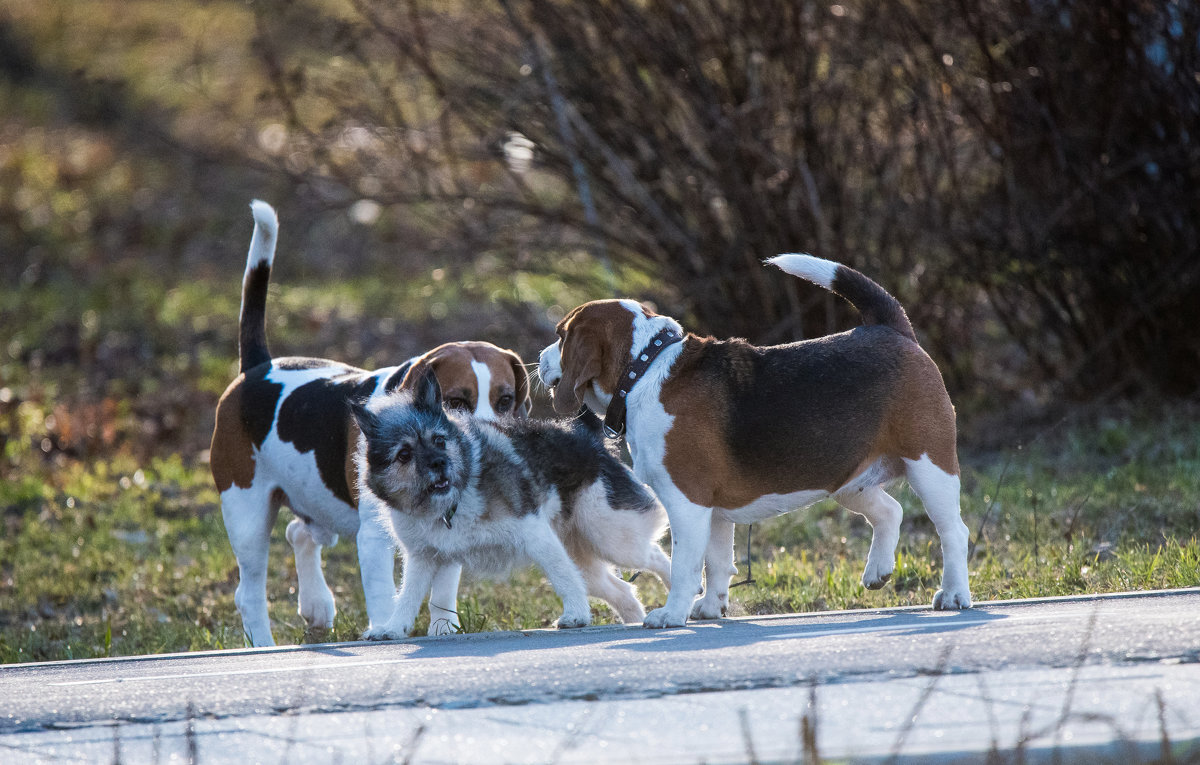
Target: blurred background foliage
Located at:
point(1024, 176)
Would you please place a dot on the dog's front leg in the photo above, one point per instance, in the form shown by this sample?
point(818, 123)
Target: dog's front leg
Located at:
point(690, 526)
point(547, 551)
point(377, 565)
point(718, 570)
point(443, 600)
point(414, 584)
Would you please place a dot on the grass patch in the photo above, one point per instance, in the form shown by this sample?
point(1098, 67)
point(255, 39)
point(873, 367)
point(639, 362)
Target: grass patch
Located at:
point(117, 559)
point(1094, 504)
point(118, 556)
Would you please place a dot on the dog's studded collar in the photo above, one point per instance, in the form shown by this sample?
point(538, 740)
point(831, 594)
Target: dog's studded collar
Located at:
point(614, 418)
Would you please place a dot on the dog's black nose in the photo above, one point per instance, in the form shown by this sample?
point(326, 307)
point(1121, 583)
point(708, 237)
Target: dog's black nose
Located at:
point(438, 465)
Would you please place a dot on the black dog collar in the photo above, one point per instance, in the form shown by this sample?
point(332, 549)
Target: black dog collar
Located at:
point(614, 418)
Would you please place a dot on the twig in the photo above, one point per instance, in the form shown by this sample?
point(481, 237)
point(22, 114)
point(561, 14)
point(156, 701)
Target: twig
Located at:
point(1070, 533)
point(747, 737)
point(749, 570)
point(567, 136)
point(418, 734)
point(911, 721)
point(988, 513)
point(808, 726)
point(1164, 741)
point(190, 735)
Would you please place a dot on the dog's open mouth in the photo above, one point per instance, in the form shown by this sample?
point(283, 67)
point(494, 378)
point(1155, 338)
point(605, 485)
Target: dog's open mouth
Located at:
point(440, 486)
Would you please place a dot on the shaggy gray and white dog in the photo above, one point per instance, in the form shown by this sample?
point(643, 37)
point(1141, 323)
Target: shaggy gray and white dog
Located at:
point(495, 495)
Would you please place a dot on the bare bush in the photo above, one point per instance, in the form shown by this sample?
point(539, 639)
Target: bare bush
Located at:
point(1021, 175)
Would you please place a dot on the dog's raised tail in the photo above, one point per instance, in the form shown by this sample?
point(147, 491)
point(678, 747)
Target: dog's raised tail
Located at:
point(876, 305)
point(252, 326)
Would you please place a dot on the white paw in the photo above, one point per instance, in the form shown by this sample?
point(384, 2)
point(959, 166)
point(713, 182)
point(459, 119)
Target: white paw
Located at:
point(948, 600)
point(318, 612)
point(260, 638)
point(661, 618)
point(706, 608)
point(387, 632)
point(573, 620)
point(876, 575)
point(631, 613)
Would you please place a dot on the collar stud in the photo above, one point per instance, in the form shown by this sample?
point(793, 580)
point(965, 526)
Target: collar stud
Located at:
point(614, 418)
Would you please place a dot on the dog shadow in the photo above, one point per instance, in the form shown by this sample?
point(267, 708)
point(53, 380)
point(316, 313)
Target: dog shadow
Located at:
point(710, 634)
point(730, 633)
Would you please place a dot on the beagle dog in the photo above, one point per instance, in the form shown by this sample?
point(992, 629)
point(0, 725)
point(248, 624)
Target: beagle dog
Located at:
point(285, 435)
point(726, 432)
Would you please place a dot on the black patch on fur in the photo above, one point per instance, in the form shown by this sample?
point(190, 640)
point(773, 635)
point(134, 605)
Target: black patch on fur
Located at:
point(252, 326)
point(877, 305)
point(571, 455)
point(259, 399)
point(512, 480)
point(397, 377)
point(793, 412)
point(315, 416)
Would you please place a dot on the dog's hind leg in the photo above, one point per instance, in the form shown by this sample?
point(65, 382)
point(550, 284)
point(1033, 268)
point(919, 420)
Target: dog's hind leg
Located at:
point(649, 558)
point(547, 551)
point(249, 515)
point(627, 538)
point(884, 513)
point(443, 600)
point(317, 606)
point(939, 491)
point(718, 570)
point(604, 584)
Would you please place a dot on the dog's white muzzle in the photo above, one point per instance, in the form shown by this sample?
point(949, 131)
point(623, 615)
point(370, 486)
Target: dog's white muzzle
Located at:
point(550, 365)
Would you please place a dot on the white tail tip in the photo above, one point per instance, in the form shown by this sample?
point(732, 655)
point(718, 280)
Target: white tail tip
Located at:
point(264, 215)
point(266, 229)
point(816, 270)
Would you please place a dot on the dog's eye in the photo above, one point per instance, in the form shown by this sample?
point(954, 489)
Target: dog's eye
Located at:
point(404, 455)
point(439, 441)
point(457, 403)
point(504, 403)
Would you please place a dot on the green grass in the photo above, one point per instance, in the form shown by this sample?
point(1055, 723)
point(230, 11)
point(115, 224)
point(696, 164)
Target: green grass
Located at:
point(1092, 504)
point(119, 333)
point(113, 542)
point(119, 559)
point(116, 556)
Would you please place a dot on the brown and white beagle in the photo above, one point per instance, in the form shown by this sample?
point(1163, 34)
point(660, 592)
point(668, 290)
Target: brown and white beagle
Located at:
point(285, 435)
point(726, 432)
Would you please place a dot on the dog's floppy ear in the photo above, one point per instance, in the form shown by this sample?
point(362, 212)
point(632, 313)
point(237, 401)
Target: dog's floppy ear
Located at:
point(368, 421)
point(428, 391)
point(420, 365)
point(522, 405)
point(581, 364)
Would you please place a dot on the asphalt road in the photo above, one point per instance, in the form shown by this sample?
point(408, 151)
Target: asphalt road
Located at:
point(1121, 673)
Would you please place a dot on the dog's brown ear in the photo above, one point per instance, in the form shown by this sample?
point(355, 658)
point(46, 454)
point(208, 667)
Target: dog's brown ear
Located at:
point(581, 364)
point(426, 361)
point(522, 405)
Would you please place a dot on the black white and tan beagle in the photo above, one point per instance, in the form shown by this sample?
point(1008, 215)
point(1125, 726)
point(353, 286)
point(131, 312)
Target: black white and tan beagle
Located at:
point(284, 435)
point(726, 432)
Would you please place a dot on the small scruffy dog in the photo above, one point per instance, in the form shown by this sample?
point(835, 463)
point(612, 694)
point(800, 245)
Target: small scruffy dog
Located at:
point(495, 495)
